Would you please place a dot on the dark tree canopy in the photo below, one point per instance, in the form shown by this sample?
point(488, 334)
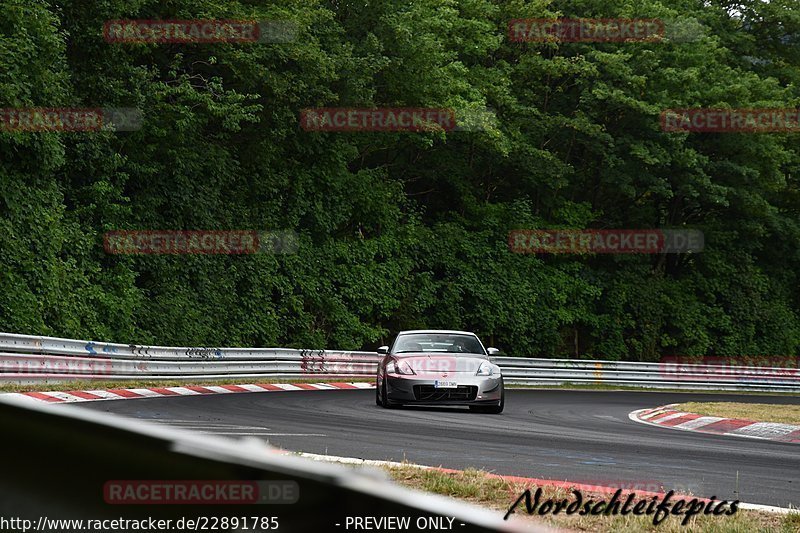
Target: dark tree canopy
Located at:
point(404, 230)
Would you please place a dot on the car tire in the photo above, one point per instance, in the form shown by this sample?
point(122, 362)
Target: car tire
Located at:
point(492, 409)
point(377, 394)
point(386, 403)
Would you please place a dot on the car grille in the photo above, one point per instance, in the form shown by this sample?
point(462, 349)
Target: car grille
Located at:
point(428, 393)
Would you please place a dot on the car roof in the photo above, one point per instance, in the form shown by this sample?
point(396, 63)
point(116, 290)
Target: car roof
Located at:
point(445, 331)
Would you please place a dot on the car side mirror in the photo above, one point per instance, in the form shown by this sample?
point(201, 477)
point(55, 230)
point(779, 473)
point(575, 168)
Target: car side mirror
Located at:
point(383, 350)
point(492, 351)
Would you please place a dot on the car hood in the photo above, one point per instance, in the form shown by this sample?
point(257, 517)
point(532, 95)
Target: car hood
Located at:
point(438, 363)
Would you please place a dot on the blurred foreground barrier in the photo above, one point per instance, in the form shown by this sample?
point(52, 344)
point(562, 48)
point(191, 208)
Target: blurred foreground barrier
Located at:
point(67, 463)
point(31, 359)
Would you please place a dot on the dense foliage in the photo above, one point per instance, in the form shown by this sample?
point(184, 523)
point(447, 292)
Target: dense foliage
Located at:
point(404, 230)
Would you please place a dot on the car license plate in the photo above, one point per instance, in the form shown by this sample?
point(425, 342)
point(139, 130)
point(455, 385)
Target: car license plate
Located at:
point(445, 384)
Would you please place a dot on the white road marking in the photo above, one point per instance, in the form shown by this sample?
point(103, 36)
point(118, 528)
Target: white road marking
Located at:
point(64, 396)
point(764, 430)
point(217, 388)
point(202, 424)
point(105, 394)
point(20, 396)
point(267, 434)
point(221, 428)
point(253, 388)
point(699, 422)
point(146, 392)
point(651, 414)
point(287, 386)
point(183, 391)
point(668, 417)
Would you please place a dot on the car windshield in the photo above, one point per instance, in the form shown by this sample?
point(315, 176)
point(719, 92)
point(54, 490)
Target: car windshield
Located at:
point(438, 342)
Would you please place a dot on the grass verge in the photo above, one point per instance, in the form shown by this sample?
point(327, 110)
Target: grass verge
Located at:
point(481, 488)
point(761, 412)
point(136, 384)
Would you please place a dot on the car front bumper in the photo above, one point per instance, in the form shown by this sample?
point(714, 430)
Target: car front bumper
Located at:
point(421, 390)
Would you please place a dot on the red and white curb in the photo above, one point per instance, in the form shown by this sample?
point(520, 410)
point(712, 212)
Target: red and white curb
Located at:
point(74, 396)
point(668, 417)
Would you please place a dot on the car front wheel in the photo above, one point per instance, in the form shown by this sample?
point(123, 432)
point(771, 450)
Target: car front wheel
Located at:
point(492, 409)
point(385, 401)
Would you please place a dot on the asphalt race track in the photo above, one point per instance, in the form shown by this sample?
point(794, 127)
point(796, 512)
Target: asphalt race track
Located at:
point(582, 436)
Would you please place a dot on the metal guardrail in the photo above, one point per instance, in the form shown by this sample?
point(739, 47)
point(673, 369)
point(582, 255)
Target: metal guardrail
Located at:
point(26, 358)
point(678, 374)
point(64, 458)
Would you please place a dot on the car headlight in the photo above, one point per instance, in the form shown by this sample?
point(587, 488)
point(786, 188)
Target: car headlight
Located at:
point(484, 370)
point(399, 367)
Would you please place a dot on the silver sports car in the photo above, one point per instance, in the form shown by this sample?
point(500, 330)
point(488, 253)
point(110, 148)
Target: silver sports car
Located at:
point(439, 367)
